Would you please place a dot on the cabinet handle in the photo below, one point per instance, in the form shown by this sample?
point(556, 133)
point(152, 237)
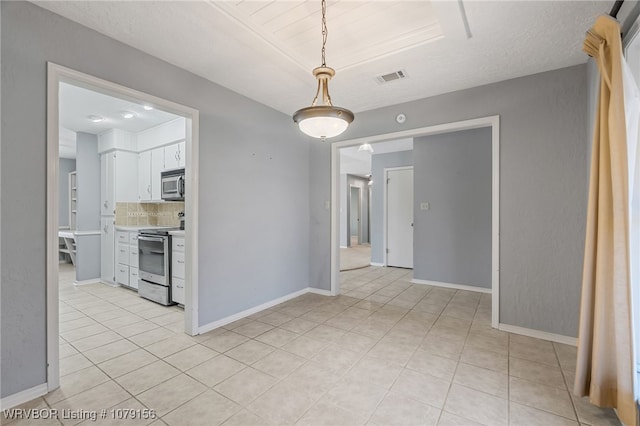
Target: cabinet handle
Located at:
point(179, 245)
point(180, 286)
point(149, 189)
point(180, 261)
point(106, 204)
point(106, 229)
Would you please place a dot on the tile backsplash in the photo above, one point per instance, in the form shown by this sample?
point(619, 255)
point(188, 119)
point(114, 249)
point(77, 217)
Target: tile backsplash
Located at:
point(152, 214)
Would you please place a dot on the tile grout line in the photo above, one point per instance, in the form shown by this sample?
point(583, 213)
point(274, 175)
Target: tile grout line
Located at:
point(564, 377)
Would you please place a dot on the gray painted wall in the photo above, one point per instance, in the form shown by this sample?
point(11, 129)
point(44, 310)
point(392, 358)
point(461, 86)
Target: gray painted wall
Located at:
point(452, 240)
point(66, 166)
point(543, 149)
point(87, 257)
point(88, 175)
point(253, 179)
point(88, 212)
point(379, 162)
point(319, 215)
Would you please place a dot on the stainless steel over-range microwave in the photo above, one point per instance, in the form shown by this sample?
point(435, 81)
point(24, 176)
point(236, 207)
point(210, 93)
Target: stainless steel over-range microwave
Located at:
point(172, 183)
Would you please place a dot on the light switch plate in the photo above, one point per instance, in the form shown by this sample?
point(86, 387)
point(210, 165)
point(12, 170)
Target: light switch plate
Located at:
point(424, 206)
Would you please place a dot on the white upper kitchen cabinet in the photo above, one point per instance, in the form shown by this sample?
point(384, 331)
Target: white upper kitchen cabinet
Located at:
point(174, 155)
point(144, 176)
point(107, 184)
point(150, 165)
point(157, 166)
point(118, 178)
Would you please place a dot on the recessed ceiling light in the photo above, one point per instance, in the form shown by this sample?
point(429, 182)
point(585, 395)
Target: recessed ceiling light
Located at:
point(127, 114)
point(95, 118)
point(147, 107)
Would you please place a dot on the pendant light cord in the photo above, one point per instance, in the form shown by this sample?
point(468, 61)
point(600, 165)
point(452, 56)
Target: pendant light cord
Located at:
point(324, 30)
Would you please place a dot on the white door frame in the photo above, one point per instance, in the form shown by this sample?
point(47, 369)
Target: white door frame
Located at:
point(385, 210)
point(55, 75)
point(491, 121)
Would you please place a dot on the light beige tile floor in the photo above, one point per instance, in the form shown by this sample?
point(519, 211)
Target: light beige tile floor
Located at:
point(386, 352)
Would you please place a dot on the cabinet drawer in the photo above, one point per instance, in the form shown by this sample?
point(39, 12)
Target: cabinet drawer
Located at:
point(133, 277)
point(122, 255)
point(133, 238)
point(133, 256)
point(122, 237)
point(122, 274)
point(177, 265)
point(177, 290)
point(177, 244)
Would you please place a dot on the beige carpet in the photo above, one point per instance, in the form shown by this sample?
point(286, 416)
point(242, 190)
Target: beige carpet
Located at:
point(356, 257)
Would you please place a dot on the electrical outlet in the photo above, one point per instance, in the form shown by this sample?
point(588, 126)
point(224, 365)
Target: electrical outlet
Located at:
point(424, 206)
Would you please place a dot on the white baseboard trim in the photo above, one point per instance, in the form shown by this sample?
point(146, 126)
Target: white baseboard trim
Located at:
point(344, 247)
point(21, 397)
point(558, 338)
point(85, 282)
point(235, 317)
point(455, 286)
point(376, 264)
point(319, 291)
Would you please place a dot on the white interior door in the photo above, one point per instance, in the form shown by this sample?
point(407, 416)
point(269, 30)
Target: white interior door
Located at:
point(400, 218)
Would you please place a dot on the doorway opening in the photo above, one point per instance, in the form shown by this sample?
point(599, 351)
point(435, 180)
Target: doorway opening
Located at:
point(493, 123)
point(93, 211)
point(355, 214)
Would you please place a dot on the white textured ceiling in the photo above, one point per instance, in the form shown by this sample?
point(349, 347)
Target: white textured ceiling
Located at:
point(223, 43)
point(77, 103)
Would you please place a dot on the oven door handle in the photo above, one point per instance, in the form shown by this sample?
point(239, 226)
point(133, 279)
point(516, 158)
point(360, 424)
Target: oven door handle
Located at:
point(154, 239)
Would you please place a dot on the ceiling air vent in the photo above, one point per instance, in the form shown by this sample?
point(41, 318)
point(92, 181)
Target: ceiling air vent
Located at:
point(387, 78)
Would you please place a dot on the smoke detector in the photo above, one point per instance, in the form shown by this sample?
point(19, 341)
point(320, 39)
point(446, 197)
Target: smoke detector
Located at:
point(393, 76)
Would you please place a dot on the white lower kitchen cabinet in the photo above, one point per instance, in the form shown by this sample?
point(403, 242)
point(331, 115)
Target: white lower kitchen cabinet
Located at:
point(177, 290)
point(127, 258)
point(133, 277)
point(122, 274)
point(177, 270)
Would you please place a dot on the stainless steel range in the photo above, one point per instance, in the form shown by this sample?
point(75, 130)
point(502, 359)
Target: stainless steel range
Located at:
point(154, 257)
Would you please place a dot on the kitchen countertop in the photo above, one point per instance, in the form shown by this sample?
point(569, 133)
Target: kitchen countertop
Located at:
point(139, 227)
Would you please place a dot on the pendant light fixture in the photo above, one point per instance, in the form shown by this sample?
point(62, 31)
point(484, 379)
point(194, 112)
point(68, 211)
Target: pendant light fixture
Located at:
point(323, 120)
point(365, 147)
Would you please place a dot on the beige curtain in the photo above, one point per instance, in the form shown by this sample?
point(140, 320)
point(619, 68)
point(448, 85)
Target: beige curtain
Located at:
point(605, 361)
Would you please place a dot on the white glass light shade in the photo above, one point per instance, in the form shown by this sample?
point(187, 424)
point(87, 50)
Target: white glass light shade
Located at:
point(323, 127)
point(323, 121)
